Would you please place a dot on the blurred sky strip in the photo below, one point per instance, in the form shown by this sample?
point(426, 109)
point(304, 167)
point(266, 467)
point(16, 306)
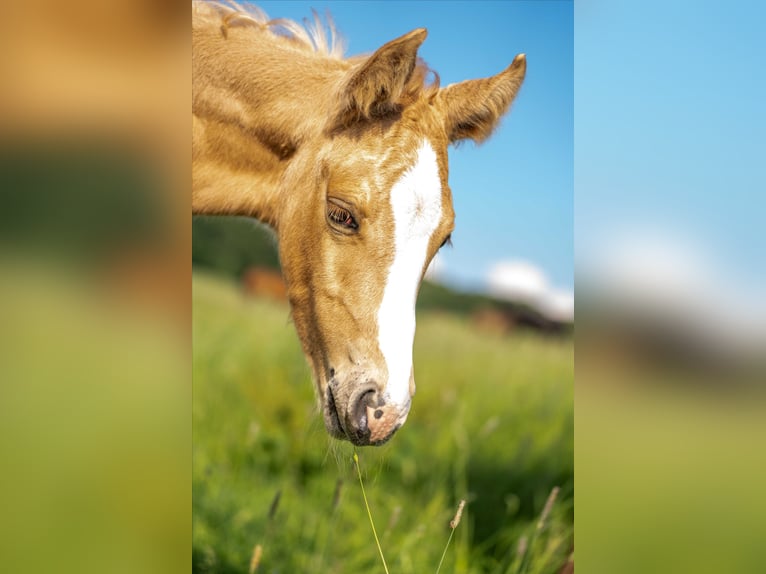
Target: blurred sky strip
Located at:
point(670, 133)
point(670, 125)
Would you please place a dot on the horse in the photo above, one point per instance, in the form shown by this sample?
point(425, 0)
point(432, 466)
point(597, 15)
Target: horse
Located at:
point(346, 160)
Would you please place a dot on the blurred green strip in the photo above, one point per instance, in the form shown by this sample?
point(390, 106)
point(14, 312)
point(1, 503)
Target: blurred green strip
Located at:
point(669, 480)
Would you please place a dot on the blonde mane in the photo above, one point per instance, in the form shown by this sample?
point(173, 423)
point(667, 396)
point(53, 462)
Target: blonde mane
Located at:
point(314, 37)
point(311, 36)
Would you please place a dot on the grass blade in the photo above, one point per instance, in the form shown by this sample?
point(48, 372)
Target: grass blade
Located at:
point(453, 524)
point(541, 523)
point(369, 514)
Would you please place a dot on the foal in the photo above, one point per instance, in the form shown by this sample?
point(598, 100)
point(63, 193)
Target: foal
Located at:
point(346, 159)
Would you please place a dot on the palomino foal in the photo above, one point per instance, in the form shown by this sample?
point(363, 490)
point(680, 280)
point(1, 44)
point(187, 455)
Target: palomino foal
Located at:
point(346, 159)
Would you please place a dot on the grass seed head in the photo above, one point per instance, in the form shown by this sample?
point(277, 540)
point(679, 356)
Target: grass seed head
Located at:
point(456, 520)
point(256, 559)
point(274, 505)
point(547, 508)
point(521, 550)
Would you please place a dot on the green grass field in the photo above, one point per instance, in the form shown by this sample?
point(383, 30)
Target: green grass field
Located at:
point(492, 423)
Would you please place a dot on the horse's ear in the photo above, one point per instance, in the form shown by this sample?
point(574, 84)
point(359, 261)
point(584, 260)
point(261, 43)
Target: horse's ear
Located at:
point(472, 109)
point(378, 86)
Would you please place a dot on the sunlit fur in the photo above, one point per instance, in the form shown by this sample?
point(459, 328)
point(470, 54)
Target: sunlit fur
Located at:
point(281, 125)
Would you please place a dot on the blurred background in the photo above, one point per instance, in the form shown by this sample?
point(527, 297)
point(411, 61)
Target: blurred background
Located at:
point(96, 362)
point(671, 286)
point(95, 391)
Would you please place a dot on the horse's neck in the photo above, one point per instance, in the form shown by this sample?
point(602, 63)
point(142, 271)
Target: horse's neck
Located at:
point(253, 107)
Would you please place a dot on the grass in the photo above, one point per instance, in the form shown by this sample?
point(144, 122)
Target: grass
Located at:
point(369, 513)
point(492, 423)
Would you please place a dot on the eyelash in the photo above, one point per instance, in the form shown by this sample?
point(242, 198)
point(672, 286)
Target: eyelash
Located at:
point(341, 216)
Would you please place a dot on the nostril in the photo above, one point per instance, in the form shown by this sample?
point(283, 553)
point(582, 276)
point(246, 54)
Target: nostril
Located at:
point(358, 414)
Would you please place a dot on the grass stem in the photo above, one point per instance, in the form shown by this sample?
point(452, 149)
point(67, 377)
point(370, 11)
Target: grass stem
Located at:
point(541, 523)
point(453, 524)
point(439, 567)
point(369, 514)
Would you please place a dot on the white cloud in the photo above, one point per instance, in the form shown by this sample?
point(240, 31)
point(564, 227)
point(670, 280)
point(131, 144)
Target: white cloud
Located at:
point(435, 271)
point(559, 305)
point(650, 271)
point(517, 280)
point(524, 282)
point(661, 269)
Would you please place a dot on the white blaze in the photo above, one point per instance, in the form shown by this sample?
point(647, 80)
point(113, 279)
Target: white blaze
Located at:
point(416, 202)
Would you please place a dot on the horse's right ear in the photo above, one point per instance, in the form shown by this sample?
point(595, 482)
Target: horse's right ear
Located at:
point(472, 109)
point(377, 86)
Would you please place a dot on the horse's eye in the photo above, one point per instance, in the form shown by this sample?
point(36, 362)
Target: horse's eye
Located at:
point(341, 216)
point(447, 241)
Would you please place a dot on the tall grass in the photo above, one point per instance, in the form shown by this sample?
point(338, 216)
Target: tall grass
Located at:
point(491, 423)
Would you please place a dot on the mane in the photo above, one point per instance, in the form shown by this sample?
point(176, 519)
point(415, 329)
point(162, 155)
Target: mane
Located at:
point(318, 38)
point(310, 36)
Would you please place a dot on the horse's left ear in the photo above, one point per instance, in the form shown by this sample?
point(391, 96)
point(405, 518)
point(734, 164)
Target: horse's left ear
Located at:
point(376, 88)
point(472, 109)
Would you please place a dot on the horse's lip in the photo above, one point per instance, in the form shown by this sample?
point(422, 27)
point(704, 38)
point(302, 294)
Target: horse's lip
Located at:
point(388, 438)
point(337, 430)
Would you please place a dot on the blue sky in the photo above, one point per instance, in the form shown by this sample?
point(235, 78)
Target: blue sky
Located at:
point(671, 127)
point(513, 195)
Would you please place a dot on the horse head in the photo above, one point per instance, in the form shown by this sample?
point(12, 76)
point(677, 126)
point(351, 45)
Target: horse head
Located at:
point(374, 209)
point(347, 161)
